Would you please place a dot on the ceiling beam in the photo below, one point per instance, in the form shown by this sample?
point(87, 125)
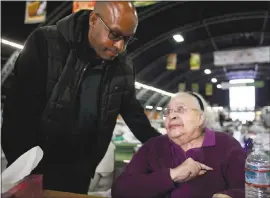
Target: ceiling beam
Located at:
point(196, 25)
point(263, 27)
point(160, 103)
point(151, 99)
point(187, 48)
point(60, 15)
point(212, 42)
point(157, 8)
point(205, 65)
point(193, 76)
point(208, 65)
point(264, 71)
point(260, 76)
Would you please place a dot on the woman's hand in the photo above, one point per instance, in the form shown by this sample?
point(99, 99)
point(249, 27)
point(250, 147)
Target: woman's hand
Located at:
point(188, 170)
point(221, 196)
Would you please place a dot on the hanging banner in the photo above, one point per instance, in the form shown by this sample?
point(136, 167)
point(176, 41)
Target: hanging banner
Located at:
point(195, 61)
point(242, 56)
point(144, 3)
point(195, 87)
point(182, 87)
point(35, 12)
point(83, 5)
point(208, 89)
point(171, 61)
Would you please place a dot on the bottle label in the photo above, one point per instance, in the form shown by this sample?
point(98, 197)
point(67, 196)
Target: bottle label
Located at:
point(258, 177)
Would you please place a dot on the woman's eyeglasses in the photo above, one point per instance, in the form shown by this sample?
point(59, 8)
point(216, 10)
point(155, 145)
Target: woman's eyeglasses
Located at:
point(179, 110)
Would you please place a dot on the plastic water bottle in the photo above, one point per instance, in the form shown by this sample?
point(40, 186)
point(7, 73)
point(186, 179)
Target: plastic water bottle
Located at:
point(257, 172)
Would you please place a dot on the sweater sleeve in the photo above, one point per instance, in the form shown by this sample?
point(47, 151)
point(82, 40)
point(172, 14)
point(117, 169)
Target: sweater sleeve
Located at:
point(235, 170)
point(139, 181)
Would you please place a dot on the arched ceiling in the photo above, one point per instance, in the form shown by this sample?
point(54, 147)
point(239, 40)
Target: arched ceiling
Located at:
point(205, 26)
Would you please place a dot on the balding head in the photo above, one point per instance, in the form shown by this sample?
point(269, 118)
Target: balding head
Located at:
point(117, 9)
point(112, 24)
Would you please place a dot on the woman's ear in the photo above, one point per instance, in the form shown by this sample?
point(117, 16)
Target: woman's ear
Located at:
point(202, 119)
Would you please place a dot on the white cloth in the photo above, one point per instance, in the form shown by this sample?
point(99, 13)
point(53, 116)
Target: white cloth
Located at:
point(107, 163)
point(21, 168)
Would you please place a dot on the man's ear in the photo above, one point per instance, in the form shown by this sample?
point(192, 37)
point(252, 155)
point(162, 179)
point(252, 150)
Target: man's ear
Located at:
point(92, 19)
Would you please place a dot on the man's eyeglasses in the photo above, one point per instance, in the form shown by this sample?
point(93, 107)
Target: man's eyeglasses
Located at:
point(114, 36)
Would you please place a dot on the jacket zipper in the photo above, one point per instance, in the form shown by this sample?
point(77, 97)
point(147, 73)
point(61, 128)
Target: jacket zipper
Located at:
point(79, 84)
point(100, 96)
point(81, 77)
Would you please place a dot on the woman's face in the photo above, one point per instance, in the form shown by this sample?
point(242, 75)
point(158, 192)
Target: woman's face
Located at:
point(183, 117)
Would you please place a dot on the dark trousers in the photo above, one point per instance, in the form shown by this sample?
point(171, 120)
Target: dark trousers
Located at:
point(68, 164)
point(68, 176)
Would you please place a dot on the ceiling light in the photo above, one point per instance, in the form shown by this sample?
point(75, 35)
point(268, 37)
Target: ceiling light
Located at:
point(237, 81)
point(137, 84)
point(159, 108)
point(149, 107)
point(12, 44)
point(178, 38)
point(219, 86)
point(213, 80)
point(207, 71)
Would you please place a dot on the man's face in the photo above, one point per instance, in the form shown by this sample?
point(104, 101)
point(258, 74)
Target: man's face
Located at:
point(110, 33)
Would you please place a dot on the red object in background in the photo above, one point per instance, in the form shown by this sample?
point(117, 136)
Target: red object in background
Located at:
point(29, 187)
point(81, 5)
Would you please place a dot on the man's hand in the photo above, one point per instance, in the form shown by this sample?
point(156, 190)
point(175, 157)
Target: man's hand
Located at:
point(188, 170)
point(221, 196)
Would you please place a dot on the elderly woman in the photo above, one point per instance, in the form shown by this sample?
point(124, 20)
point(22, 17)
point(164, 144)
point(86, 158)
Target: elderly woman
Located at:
point(190, 161)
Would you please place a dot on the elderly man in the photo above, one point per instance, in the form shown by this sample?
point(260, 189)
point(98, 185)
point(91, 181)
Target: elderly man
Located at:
point(71, 82)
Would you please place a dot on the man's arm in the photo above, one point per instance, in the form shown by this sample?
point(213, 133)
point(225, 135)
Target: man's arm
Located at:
point(134, 116)
point(26, 98)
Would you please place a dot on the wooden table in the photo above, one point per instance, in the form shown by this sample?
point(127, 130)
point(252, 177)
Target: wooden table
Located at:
point(58, 194)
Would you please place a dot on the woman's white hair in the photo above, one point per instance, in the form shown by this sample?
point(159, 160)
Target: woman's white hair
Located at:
point(209, 115)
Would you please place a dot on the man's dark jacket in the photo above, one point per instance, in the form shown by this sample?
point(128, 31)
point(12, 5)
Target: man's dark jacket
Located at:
point(40, 108)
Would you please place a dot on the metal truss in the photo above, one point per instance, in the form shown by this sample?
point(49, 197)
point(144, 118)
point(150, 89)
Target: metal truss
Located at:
point(264, 26)
point(260, 75)
point(186, 48)
point(217, 72)
point(194, 76)
point(166, 74)
point(212, 41)
point(151, 99)
point(196, 25)
point(160, 103)
point(156, 8)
